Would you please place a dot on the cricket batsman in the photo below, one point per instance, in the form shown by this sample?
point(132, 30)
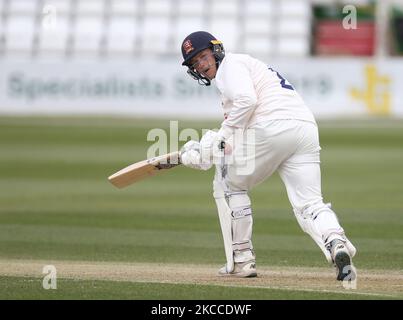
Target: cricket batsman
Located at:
point(256, 98)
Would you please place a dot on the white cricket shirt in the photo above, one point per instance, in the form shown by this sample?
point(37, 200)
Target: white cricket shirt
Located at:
point(253, 93)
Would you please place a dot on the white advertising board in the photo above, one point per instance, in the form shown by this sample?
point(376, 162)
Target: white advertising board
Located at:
point(161, 88)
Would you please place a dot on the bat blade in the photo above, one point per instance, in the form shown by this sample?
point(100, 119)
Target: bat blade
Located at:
point(144, 169)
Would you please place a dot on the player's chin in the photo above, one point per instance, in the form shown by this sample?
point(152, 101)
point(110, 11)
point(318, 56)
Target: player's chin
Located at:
point(209, 74)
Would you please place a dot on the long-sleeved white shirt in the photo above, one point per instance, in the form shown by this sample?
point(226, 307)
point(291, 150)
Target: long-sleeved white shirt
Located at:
point(252, 93)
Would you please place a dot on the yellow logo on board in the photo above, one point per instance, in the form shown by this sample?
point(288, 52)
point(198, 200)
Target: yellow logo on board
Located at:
point(376, 95)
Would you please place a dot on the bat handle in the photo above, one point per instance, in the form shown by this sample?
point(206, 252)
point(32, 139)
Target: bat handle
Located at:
point(221, 146)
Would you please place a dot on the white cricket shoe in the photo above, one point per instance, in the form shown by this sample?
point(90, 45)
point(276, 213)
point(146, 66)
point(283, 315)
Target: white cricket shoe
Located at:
point(342, 260)
point(241, 270)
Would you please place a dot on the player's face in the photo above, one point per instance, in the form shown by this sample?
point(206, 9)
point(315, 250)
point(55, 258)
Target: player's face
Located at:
point(204, 63)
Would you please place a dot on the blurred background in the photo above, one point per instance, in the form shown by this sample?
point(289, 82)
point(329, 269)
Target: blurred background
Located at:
point(123, 56)
point(82, 83)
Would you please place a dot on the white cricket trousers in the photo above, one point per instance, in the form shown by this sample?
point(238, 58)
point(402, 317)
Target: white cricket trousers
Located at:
point(290, 147)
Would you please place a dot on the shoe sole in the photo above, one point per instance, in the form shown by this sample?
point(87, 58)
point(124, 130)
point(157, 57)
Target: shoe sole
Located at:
point(342, 260)
point(239, 275)
point(252, 275)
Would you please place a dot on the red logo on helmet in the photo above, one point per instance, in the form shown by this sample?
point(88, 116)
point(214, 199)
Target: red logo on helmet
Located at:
point(187, 46)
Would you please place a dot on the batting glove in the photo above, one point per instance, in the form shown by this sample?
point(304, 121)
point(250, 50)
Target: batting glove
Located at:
point(191, 156)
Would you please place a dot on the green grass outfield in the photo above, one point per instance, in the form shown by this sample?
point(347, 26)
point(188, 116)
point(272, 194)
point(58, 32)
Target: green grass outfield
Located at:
point(57, 205)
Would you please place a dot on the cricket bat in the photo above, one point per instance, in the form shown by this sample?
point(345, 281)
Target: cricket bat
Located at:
point(144, 169)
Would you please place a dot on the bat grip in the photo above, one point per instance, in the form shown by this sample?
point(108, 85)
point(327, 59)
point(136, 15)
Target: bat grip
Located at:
point(221, 146)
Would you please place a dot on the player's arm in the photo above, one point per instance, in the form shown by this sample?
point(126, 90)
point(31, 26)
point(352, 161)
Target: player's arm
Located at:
point(237, 86)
